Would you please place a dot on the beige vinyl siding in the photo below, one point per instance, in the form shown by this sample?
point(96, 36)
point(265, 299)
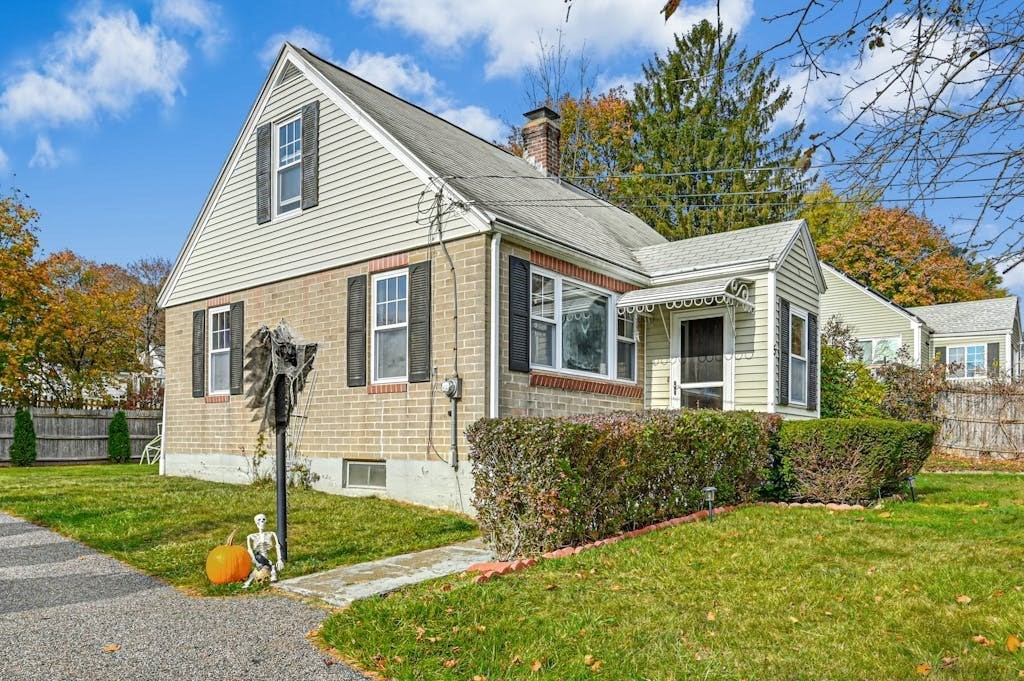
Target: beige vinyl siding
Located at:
point(866, 315)
point(750, 368)
point(795, 281)
point(367, 208)
point(944, 341)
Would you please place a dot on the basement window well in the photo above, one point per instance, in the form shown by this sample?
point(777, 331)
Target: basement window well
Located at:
point(372, 474)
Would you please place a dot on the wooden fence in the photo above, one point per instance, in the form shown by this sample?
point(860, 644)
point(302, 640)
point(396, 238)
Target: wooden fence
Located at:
point(981, 424)
point(76, 435)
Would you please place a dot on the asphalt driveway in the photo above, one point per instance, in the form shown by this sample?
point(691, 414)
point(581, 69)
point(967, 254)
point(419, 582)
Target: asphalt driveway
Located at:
point(68, 612)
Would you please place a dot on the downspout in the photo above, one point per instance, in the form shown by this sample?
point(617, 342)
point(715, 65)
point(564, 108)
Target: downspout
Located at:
point(163, 434)
point(917, 341)
point(772, 311)
point(495, 373)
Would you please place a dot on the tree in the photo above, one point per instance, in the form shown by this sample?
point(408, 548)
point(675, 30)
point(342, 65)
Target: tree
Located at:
point(848, 390)
point(87, 332)
point(149, 275)
point(21, 280)
point(705, 140)
point(830, 215)
point(23, 446)
point(908, 259)
point(119, 443)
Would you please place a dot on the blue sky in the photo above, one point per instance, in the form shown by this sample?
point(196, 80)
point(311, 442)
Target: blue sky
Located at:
point(115, 117)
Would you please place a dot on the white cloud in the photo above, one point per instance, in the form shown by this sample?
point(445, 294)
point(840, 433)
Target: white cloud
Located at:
point(508, 30)
point(3, 161)
point(102, 65)
point(399, 74)
point(194, 16)
point(1014, 280)
point(300, 37)
point(46, 156)
point(606, 82)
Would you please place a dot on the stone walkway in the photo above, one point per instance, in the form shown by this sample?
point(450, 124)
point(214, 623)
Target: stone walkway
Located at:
point(68, 612)
point(341, 586)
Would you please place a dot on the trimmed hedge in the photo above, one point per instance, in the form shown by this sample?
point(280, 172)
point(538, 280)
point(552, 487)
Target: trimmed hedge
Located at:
point(23, 445)
point(119, 442)
point(846, 460)
point(544, 483)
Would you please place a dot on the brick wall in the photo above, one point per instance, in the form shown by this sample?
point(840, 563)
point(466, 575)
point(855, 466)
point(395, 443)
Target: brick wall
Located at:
point(342, 421)
point(535, 394)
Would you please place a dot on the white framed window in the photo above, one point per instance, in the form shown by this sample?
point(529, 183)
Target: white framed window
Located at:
point(880, 350)
point(625, 347)
point(371, 474)
point(967, 361)
point(389, 346)
point(573, 327)
point(797, 356)
point(288, 166)
point(219, 346)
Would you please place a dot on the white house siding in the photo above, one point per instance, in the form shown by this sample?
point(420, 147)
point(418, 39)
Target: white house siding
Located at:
point(367, 208)
point(863, 313)
point(795, 282)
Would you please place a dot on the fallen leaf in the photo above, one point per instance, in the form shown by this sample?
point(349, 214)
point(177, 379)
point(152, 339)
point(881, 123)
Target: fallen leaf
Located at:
point(820, 538)
point(983, 504)
point(330, 661)
point(711, 617)
point(794, 620)
point(419, 633)
point(516, 660)
point(828, 614)
point(446, 587)
point(878, 599)
point(481, 628)
point(1012, 643)
point(477, 677)
point(924, 669)
point(949, 662)
point(871, 570)
point(981, 640)
point(111, 649)
point(550, 587)
point(312, 632)
point(596, 666)
point(397, 659)
point(588, 660)
point(997, 592)
point(963, 599)
point(448, 664)
point(535, 667)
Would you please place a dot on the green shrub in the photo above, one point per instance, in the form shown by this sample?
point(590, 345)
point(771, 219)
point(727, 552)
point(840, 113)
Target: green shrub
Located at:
point(544, 483)
point(848, 390)
point(119, 443)
point(847, 460)
point(23, 446)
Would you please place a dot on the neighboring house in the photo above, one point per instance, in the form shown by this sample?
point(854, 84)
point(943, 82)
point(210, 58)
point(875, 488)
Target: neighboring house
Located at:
point(413, 251)
point(975, 339)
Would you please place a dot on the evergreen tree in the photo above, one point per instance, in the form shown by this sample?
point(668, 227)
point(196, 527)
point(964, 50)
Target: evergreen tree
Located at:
point(23, 447)
point(704, 109)
point(119, 444)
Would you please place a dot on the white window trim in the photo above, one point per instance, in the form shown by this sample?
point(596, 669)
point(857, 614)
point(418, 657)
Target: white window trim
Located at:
point(728, 355)
point(611, 329)
point(876, 339)
point(276, 150)
point(389, 274)
point(627, 339)
point(348, 477)
point(797, 312)
point(984, 362)
point(210, 352)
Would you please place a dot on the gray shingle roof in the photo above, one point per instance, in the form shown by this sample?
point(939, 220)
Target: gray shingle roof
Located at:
point(480, 172)
point(979, 316)
point(766, 242)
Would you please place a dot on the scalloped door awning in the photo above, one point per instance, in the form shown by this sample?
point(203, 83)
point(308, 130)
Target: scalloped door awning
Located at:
point(731, 291)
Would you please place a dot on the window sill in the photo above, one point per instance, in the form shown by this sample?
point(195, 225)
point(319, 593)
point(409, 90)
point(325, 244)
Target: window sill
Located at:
point(383, 388)
point(217, 399)
point(586, 385)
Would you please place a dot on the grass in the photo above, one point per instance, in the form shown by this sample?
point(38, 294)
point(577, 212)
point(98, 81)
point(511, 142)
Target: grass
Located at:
point(166, 526)
point(762, 593)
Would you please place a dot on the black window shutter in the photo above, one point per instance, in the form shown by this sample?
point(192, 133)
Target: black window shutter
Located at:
point(993, 358)
point(236, 318)
point(355, 333)
point(310, 154)
point(419, 322)
point(518, 314)
point(198, 353)
point(263, 197)
point(940, 354)
point(812, 361)
point(783, 351)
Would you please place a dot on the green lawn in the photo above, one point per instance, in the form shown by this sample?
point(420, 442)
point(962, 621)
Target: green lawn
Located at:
point(762, 593)
point(166, 526)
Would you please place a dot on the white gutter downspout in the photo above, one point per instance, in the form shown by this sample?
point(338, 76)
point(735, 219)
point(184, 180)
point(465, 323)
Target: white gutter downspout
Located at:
point(917, 341)
point(495, 374)
point(772, 311)
point(163, 433)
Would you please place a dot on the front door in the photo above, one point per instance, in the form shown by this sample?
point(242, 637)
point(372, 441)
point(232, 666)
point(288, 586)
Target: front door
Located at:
point(698, 380)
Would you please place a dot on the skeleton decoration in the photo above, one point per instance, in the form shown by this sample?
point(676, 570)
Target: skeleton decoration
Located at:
point(260, 544)
point(271, 353)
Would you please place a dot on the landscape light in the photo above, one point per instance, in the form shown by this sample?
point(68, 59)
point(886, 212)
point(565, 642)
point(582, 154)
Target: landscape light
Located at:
point(910, 484)
point(709, 496)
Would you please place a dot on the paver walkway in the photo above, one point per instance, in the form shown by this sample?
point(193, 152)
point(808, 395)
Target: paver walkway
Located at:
point(61, 603)
point(343, 585)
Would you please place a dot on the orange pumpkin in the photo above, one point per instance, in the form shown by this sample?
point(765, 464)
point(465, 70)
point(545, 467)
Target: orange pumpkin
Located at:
point(228, 563)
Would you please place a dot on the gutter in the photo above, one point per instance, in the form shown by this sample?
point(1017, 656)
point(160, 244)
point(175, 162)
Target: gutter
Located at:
point(495, 359)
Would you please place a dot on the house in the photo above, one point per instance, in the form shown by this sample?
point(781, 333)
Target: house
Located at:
point(446, 280)
point(975, 339)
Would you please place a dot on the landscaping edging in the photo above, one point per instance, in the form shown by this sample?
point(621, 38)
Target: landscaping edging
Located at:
point(490, 570)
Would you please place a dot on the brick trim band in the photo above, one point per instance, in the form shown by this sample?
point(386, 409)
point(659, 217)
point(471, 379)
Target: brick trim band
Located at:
point(217, 399)
point(576, 272)
point(585, 385)
point(387, 388)
point(218, 301)
point(389, 262)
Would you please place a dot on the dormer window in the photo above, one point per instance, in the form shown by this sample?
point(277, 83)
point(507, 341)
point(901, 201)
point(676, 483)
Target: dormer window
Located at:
point(288, 171)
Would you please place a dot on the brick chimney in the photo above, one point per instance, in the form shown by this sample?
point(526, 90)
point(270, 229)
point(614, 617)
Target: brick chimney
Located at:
point(542, 136)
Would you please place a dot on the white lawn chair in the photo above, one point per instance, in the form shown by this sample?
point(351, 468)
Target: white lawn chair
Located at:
point(151, 453)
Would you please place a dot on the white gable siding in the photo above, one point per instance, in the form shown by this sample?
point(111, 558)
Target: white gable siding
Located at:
point(866, 315)
point(796, 283)
point(367, 208)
